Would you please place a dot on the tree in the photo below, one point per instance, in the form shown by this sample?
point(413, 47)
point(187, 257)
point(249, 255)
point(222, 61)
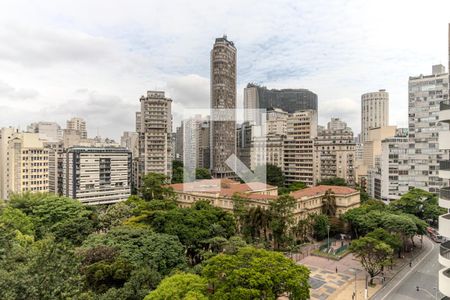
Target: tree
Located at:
point(257, 224)
point(281, 219)
point(295, 186)
point(177, 171)
point(202, 173)
point(154, 187)
point(329, 206)
point(269, 173)
point(31, 266)
point(193, 226)
point(373, 254)
point(320, 226)
point(240, 210)
point(63, 217)
point(140, 246)
point(333, 181)
point(246, 275)
point(113, 215)
point(181, 286)
point(392, 240)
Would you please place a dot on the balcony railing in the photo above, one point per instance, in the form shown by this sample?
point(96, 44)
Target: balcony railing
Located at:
point(444, 165)
point(444, 106)
point(445, 193)
point(445, 250)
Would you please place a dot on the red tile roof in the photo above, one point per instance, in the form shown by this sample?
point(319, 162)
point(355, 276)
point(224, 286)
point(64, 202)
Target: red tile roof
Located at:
point(321, 189)
point(226, 187)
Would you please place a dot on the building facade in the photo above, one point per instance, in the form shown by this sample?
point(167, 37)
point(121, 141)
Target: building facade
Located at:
point(220, 192)
point(290, 100)
point(444, 198)
point(223, 105)
point(49, 131)
point(298, 156)
point(97, 175)
point(155, 135)
point(27, 164)
point(79, 125)
point(335, 154)
point(426, 92)
point(374, 112)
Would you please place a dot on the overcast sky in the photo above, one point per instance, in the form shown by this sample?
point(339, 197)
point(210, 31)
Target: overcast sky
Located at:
point(94, 59)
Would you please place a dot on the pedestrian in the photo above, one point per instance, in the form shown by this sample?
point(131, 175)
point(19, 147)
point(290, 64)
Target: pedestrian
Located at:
point(410, 264)
point(336, 269)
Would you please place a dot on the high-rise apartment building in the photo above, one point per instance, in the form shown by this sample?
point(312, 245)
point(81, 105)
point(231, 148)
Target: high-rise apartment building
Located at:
point(335, 153)
point(389, 179)
point(290, 100)
point(374, 112)
point(155, 135)
point(301, 130)
point(178, 153)
point(223, 105)
point(426, 92)
point(5, 136)
point(78, 124)
point(97, 175)
point(27, 166)
point(444, 198)
point(49, 131)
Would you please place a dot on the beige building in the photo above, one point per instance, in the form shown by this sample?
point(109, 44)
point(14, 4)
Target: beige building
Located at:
point(298, 156)
point(155, 135)
point(223, 97)
point(97, 175)
point(27, 163)
point(5, 136)
point(78, 124)
point(374, 112)
point(372, 146)
point(335, 154)
point(219, 193)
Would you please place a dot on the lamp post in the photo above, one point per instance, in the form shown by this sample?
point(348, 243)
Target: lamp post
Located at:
point(328, 243)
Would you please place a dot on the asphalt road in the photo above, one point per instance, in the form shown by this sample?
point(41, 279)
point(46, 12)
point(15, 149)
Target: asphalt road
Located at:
point(423, 273)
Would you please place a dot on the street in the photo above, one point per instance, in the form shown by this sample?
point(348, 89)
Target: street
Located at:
point(423, 273)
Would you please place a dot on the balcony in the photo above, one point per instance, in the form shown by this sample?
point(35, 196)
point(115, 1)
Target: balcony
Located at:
point(444, 282)
point(444, 169)
point(444, 254)
point(444, 225)
point(444, 197)
point(444, 140)
point(444, 114)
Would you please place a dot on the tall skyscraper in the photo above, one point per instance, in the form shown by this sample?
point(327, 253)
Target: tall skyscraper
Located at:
point(374, 112)
point(426, 92)
point(298, 153)
point(155, 134)
point(223, 97)
point(288, 100)
point(79, 125)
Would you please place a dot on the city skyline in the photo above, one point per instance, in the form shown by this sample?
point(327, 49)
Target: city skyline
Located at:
point(99, 67)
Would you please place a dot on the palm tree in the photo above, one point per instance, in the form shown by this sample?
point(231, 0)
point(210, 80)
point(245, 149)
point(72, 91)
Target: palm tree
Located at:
point(329, 203)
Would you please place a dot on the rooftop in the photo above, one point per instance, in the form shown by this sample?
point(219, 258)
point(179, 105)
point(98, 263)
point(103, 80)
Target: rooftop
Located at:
point(321, 189)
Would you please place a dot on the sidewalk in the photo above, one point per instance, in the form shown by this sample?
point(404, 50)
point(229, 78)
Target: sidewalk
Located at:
point(327, 284)
point(389, 274)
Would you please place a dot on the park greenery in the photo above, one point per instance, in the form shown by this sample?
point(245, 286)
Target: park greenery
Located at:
point(148, 247)
point(145, 247)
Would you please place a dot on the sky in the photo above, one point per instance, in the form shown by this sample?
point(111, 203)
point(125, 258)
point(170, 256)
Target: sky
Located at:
point(95, 58)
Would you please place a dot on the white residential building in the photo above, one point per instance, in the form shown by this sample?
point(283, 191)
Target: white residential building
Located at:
point(97, 175)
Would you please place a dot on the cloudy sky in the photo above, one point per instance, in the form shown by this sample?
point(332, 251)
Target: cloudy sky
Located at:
point(95, 58)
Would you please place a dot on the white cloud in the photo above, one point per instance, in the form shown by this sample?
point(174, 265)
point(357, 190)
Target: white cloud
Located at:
point(338, 49)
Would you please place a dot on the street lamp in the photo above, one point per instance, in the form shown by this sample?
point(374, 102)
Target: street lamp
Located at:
point(328, 243)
